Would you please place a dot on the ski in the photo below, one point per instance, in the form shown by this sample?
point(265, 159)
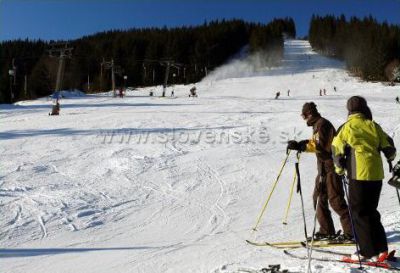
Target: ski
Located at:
point(294, 244)
point(298, 244)
point(303, 244)
point(274, 243)
point(346, 260)
point(390, 257)
point(327, 244)
point(328, 251)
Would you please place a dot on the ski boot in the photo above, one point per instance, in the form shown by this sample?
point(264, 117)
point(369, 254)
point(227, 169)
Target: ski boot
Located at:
point(344, 239)
point(318, 236)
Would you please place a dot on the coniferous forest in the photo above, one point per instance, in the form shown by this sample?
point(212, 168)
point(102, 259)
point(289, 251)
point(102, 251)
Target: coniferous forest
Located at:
point(142, 55)
point(370, 49)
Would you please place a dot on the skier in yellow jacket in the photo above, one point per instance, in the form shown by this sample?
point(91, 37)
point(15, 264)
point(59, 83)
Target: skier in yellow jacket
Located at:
point(356, 148)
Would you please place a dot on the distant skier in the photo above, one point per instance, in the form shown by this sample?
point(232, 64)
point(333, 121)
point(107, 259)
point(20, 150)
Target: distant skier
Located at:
point(121, 93)
point(288, 93)
point(397, 100)
point(193, 92)
point(55, 111)
point(334, 89)
point(172, 93)
point(320, 92)
point(277, 95)
point(324, 92)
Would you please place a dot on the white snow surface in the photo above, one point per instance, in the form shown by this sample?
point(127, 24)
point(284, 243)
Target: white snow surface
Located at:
point(150, 184)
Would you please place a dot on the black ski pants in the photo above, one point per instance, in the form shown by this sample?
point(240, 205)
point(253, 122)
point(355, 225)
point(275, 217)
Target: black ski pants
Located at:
point(364, 199)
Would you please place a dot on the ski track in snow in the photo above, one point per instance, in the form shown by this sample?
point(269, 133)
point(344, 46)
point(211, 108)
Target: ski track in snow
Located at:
point(98, 189)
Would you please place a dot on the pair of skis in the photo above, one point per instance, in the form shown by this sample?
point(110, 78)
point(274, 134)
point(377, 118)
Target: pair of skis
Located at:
point(320, 246)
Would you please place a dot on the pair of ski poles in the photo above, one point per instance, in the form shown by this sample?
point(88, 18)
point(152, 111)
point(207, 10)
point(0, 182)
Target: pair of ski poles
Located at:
point(299, 190)
point(264, 207)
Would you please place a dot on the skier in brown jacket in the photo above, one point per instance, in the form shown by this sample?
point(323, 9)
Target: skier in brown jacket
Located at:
point(328, 186)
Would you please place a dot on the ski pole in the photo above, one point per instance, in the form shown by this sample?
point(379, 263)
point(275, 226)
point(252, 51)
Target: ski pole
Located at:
point(290, 195)
point(290, 199)
point(303, 211)
point(273, 188)
point(398, 195)
point(345, 182)
point(301, 196)
point(314, 227)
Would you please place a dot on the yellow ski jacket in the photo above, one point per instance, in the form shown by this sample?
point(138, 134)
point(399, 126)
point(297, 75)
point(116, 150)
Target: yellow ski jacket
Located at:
point(357, 146)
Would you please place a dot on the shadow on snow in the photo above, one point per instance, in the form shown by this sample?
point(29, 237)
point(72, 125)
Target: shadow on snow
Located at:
point(30, 252)
point(14, 134)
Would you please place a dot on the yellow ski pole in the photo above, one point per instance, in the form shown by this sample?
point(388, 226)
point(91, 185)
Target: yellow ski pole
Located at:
point(290, 199)
point(290, 195)
point(273, 188)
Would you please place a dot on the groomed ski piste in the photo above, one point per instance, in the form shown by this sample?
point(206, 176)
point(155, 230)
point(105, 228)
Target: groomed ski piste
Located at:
point(150, 184)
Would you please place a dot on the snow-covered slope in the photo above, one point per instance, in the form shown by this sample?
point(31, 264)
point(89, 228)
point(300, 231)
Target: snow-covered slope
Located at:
point(148, 184)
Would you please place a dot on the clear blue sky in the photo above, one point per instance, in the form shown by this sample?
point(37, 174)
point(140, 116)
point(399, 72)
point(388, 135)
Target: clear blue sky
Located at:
point(70, 19)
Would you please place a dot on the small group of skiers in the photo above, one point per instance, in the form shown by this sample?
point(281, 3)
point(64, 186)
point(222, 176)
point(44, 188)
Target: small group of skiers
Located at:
point(355, 148)
point(278, 94)
point(322, 92)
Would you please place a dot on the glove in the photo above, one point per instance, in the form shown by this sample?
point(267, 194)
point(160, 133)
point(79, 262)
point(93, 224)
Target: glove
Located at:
point(342, 162)
point(298, 146)
point(303, 145)
point(292, 145)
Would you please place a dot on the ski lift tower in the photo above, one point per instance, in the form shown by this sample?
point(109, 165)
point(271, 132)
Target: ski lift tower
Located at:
point(12, 74)
point(168, 64)
point(125, 79)
point(115, 69)
point(62, 51)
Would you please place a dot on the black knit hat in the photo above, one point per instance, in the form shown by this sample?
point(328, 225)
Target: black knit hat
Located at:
point(309, 108)
point(356, 104)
